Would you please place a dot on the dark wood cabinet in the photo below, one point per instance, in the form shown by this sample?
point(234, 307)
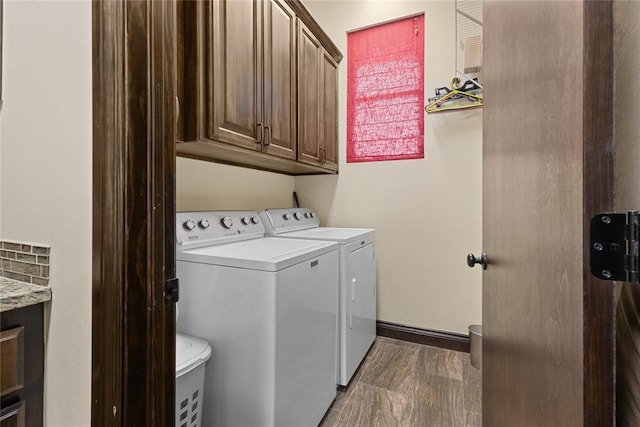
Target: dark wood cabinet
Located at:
point(309, 95)
point(12, 357)
point(22, 366)
point(13, 415)
point(238, 82)
point(318, 102)
point(231, 71)
point(329, 119)
point(279, 79)
point(249, 75)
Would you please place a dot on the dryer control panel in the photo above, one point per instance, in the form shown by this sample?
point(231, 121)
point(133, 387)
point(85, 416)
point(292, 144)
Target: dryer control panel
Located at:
point(197, 229)
point(284, 220)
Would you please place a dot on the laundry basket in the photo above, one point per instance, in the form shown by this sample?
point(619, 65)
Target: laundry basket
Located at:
point(191, 356)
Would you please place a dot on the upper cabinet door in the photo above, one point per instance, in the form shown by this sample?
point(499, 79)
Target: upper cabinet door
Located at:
point(279, 79)
point(309, 96)
point(317, 103)
point(232, 73)
point(329, 149)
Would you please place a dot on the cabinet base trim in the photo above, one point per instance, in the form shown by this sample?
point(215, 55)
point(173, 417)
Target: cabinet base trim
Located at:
point(448, 340)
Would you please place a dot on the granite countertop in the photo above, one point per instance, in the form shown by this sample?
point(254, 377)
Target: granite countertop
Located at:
point(16, 294)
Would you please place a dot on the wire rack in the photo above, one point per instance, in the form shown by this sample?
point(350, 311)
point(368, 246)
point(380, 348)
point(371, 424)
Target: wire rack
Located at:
point(469, 39)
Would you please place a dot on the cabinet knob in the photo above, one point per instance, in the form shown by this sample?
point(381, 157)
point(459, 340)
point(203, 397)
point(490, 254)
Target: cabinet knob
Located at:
point(472, 260)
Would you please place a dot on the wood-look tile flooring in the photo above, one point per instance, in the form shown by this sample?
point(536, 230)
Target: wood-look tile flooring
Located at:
point(406, 384)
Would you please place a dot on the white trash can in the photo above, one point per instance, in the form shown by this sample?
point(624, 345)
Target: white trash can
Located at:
point(191, 356)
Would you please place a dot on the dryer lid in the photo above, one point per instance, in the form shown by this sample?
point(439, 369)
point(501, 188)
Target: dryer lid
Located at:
point(341, 235)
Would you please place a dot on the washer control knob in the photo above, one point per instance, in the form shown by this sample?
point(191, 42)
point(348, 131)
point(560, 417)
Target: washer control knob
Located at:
point(306, 215)
point(297, 215)
point(312, 215)
point(286, 216)
point(255, 219)
point(189, 225)
point(246, 220)
point(203, 223)
point(226, 222)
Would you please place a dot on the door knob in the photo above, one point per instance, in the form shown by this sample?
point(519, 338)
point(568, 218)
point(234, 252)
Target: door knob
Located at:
point(483, 260)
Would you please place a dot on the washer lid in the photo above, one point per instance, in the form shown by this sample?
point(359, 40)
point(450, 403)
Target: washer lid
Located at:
point(333, 234)
point(266, 254)
point(191, 352)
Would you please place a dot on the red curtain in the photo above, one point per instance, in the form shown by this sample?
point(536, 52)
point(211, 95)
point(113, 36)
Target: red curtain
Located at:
point(385, 92)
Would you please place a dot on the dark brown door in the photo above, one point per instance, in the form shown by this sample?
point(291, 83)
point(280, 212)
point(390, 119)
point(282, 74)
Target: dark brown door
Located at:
point(280, 79)
point(329, 112)
point(309, 51)
point(547, 324)
point(133, 321)
point(233, 72)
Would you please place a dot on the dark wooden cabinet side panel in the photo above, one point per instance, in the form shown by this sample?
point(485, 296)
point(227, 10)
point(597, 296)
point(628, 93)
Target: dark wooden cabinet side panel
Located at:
point(161, 209)
point(280, 79)
point(107, 268)
point(308, 95)
point(149, 342)
point(133, 329)
point(136, 243)
point(598, 187)
point(32, 318)
point(330, 112)
point(234, 104)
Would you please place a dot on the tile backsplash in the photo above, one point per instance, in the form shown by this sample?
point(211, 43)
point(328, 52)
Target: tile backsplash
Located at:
point(26, 262)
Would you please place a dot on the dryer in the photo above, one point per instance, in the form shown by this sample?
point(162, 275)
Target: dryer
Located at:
point(357, 296)
point(268, 306)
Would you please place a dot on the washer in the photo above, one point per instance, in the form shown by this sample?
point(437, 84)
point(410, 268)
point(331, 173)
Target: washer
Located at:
point(357, 311)
point(268, 306)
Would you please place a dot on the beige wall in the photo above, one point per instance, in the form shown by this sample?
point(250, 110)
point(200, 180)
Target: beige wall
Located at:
point(427, 213)
point(45, 184)
point(211, 186)
point(46, 180)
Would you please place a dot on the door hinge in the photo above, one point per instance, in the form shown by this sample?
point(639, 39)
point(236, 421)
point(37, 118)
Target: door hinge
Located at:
point(171, 291)
point(614, 246)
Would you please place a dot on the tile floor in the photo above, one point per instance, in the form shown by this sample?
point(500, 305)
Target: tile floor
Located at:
point(406, 384)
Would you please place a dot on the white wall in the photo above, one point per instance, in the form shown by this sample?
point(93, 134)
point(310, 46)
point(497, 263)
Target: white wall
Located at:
point(427, 213)
point(46, 180)
point(211, 186)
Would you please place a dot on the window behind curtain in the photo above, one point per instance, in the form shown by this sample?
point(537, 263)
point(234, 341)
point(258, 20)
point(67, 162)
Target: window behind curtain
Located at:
point(385, 91)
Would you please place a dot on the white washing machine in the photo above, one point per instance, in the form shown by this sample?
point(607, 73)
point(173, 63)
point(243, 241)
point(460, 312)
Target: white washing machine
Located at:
point(268, 306)
point(357, 298)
